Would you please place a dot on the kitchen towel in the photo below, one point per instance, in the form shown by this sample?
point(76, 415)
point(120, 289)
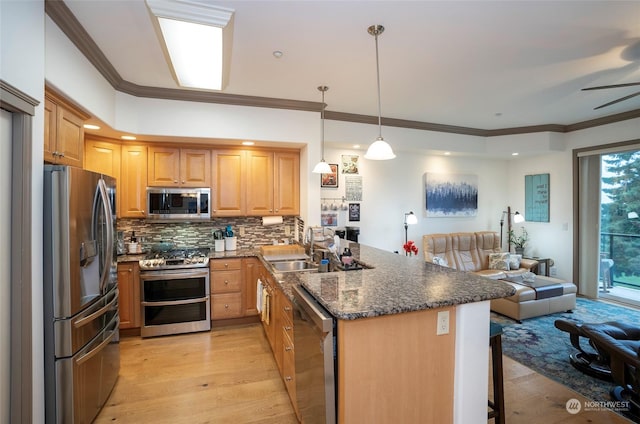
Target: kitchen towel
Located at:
point(259, 296)
point(271, 220)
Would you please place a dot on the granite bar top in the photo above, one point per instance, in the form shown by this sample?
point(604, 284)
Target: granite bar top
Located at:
point(397, 284)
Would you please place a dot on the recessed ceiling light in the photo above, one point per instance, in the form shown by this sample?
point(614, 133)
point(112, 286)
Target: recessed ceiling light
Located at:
point(248, 143)
point(91, 127)
point(447, 153)
point(356, 146)
point(277, 54)
point(515, 154)
point(127, 137)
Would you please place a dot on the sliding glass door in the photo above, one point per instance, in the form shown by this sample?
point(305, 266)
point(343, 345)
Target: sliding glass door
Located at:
point(619, 248)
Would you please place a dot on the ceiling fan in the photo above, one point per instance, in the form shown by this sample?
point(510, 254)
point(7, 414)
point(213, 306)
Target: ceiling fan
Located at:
point(604, 87)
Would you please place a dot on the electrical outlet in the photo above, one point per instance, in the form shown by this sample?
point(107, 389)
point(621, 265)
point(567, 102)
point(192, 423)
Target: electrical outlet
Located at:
point(443, 323)
point(241, 231)
point(287, 230)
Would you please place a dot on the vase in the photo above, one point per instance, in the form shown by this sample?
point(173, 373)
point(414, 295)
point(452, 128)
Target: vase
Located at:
point(519, 250)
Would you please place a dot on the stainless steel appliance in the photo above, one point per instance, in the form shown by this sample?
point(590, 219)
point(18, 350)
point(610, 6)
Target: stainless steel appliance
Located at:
point(174, 292)
point(314, 336)
point(81, 338)
point(178, 203)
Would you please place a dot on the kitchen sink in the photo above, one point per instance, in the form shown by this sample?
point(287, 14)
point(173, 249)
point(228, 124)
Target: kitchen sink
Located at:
point(293, 265)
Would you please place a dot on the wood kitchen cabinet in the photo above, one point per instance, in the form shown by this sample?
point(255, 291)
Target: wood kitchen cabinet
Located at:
point(273, 183)
point(103, 157)
point(173, 167)
point(228, 182)
point(288, 369)
point(132, 184)
point(251, 268)
point(129, 296)
point(63, 131)
point(227, 290)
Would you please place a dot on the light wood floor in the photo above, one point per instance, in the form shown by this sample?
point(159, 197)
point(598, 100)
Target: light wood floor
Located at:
point(229, 376)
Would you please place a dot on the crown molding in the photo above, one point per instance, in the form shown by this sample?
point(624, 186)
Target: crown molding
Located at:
point(64, 18)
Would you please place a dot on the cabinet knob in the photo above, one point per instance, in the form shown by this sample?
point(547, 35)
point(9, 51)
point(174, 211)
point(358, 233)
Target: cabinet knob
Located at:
point(287, 308)
point(61, 155)
point(183, 181)
point(287, 348)
point(288, 328)
point(277, 210)
point(226, 282)
point(226, 306)
point(288, 378)
point(175, 181)
point(226, 265)
point(130, 270)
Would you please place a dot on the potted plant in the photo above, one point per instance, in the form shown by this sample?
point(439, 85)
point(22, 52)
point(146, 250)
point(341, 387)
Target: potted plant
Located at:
point(519, 241)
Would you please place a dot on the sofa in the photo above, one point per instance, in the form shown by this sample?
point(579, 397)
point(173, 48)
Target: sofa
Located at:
point(480, 253)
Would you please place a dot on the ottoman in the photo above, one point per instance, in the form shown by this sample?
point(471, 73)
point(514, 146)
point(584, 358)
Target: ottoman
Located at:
point(546, 296)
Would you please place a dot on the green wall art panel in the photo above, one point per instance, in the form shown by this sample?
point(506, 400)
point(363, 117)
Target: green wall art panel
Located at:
point(536, 197)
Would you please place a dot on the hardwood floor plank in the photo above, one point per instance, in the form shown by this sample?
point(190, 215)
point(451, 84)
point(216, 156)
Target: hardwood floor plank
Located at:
point(229, 375)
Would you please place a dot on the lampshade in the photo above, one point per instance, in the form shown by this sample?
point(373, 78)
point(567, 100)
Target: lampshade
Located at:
point(322, 167)
point(411, 218)
point(518, 218)
point(379, 149)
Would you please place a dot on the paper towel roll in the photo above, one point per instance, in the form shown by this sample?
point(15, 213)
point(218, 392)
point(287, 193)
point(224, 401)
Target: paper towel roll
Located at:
point(271, 220)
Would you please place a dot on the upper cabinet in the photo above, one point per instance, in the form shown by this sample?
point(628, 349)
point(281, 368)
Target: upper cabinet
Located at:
point(173, 167)
point(132, 185)
point(103, 157)
point(63, 131)
point(228, 182)
point(273, 183)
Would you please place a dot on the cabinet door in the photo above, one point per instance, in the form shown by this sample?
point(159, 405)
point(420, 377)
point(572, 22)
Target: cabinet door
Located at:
point(49, 129)
point(129, 296)
point(286, 197)
point(252, 269)
point(164, 167)
point(133, 182)
point(259, 183)
point(102, 157)
point(70, 138)
point(228, 183)
point(195, 168)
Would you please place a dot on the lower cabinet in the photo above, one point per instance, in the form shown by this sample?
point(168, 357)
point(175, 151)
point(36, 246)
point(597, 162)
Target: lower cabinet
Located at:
point(129, 296)
point(226, 288)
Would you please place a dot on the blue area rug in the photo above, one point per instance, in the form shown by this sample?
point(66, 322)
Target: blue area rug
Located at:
point(537, 344)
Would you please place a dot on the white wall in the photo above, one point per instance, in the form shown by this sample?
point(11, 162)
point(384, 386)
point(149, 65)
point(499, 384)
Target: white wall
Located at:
point(392, 188)
point(22, 65)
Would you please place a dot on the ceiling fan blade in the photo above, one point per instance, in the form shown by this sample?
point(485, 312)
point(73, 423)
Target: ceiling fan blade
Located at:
point(604, 87)
point(618, 100)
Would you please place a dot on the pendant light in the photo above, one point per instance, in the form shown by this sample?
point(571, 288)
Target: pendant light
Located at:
point(322, 167)
point(379, 149)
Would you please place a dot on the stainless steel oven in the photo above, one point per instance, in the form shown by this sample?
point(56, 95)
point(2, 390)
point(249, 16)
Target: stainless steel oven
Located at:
point(174, 298)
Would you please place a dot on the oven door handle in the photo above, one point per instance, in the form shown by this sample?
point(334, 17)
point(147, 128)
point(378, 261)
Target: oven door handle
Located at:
point(176, 302)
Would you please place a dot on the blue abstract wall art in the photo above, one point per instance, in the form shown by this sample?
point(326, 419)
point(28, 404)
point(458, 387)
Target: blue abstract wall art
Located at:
point(451, 195)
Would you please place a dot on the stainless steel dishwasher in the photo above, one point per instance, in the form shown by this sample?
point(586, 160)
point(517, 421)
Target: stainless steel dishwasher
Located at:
point(314, 341)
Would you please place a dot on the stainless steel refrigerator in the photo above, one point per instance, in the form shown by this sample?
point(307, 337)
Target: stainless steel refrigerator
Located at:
point(81, 338)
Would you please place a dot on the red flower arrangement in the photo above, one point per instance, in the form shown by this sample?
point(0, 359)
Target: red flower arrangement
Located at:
point(410, 248)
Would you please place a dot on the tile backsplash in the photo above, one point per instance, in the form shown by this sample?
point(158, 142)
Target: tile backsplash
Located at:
point(200, 234)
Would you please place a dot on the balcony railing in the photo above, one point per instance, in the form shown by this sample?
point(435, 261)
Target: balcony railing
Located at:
point(624, 250)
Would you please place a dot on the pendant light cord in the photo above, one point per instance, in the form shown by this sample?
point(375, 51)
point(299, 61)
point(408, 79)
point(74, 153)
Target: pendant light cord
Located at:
point(378, 76)
point(322, 88)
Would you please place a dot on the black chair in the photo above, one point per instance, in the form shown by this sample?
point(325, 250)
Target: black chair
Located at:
point(621, 344)
point(593, 361)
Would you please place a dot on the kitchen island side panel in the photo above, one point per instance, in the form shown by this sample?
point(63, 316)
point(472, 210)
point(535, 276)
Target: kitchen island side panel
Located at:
point(394, 368)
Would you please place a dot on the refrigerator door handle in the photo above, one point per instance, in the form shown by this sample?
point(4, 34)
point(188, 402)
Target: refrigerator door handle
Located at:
point(85, 357)
point(85, 320)
point(108, 252)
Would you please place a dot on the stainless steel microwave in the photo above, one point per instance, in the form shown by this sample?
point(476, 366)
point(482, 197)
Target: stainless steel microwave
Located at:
point(178, 203)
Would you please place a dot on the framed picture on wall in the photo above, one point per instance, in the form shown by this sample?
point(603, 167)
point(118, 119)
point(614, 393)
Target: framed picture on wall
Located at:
point(536, 197)
point(451, 195)
point(354, 211)
point(330, 180)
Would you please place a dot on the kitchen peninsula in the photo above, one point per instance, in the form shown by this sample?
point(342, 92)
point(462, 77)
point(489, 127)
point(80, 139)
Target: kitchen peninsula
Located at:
point(392, 366)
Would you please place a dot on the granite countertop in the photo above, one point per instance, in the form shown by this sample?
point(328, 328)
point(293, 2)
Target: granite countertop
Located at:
point(397, 284)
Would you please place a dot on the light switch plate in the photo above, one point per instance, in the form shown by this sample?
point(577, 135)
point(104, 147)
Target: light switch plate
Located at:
point(443, 323)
